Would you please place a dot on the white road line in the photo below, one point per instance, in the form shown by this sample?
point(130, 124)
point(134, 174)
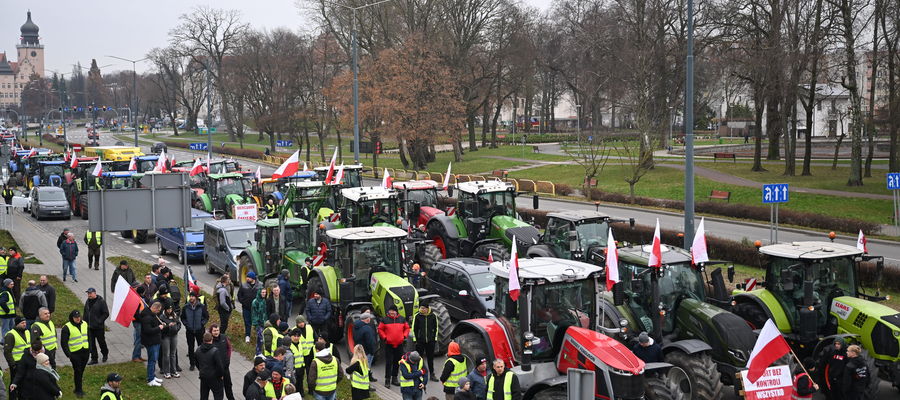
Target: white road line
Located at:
point(136, 246)
point(146, 251)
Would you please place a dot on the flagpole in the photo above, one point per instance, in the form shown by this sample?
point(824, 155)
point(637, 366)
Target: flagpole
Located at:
point(801, 363)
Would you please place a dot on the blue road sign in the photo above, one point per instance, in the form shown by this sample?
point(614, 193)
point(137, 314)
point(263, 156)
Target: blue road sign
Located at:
point(775, 193)
point(284, 143)
point(893, 181)
point(199, 146)
point(591, 138)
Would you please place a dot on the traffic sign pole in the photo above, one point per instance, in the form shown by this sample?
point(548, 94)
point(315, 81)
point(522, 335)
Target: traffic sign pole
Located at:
point(893, 184)
point(773, 195)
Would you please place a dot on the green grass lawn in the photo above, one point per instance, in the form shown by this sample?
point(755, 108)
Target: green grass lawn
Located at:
point(134, 382)
point(6, 241)
point(66, 300)
point(668, 183)
point(822, 177)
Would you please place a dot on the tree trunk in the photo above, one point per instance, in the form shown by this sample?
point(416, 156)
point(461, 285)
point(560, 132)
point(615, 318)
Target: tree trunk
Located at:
point(470, 125)
point(306, 139)
point(340, 148)
point(847, 19)
point(811, 93)
point(837, 148)
point(485, 114)
point(870, 118)
point(773, 127)
point(757, 136)
point(790, 143)
point(893, 105)
point(404, 153)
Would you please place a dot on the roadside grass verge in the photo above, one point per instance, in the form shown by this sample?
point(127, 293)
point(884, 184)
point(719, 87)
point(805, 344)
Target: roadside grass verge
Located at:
point(7, 241)
point(66, 299)
point(134, 382)
point(823, 177)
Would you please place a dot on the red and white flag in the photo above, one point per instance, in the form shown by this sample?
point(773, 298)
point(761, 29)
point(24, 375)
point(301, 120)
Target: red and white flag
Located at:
point(132, 166)
point(196, 168)
point(387, 181)
point(289, 167)
point(612, 261)
point(191, 281)
point(125, 302)
point(490, 256)
point(258, 174)
point(331, 167)
point(161, 162)
point(67, 156)
point(770, 346)
point(74, 163)
point(514, 287)
point(172, 160)
point(98, 169)
point(33, 152)
point(656, 248)
point(698, 248)
point(339, 176)
point(862, 243)
point(447, 177)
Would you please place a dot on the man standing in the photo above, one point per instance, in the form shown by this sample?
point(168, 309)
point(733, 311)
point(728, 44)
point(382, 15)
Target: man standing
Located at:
point(4, 263)
point(832, 366)
point(125, 272)
point(7, 307)
point(62, 237)
point(477, 378)
point(74, 342)
point(284, 283)
point(44, 331)
point(112, 390)
point(425, 334)
point(8, 195)
point(225, 304)
point(95, 314)
point(503, 384)
point(18, 340)
point(69, 251)
point(323, 374)
point(149, 288)
point(259, 365)
point(856, 375)
point(393, 330)
point(412, 376)
point(193, 318)
point(211, 368)
point(257, 390)
point(93, 239)
point(318, 312)
point(454, 370)
point(136, 324)
point(364, 334)
point(246, 294)
point(49, 293)
point(646, 350)
point(151, 338)
point(31, 302)
point(15, 268)
point(223, 345)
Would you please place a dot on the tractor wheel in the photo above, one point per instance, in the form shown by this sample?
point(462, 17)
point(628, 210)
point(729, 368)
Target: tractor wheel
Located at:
point(558, 392)
point(704, 377)
point(76, 208)
point(140, 236)
point(127, 234)
point(159, 248)
point(352, 317)
point(445, 325)
point(495, 250)
point(752, 313)
point(471, 346)
point(661, 387)
point(431, 254)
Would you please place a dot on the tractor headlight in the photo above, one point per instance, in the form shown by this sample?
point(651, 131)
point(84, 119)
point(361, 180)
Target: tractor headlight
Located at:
point(623, 323)
point(896, 333)
point(396, 301)
point(190, 244)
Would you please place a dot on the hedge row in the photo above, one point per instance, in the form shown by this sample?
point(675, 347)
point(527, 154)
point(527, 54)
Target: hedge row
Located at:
point(233, 151)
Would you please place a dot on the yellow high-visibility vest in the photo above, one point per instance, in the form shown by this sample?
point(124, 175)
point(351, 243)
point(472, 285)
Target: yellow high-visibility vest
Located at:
point(326, 375)
point(404, 382)
point(459, 371)
point(360, 379)
point(77, 336)
point(507, 385)
point(296, 349)
point(21, 344)
point(89, 235)
point(270, 389)
point(10, 304)
point(48, 334)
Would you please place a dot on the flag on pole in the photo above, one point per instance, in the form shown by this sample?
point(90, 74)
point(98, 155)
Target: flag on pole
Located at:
point(386, 181)
point(331, 167)
point(514, 287)
point(67, 157)
point(33, 152)
point(98, 169)
point(196, 168)
point(656, 248)
point(289, 167)
point(74, 163)
point(132, 165)
point(161, 162)
point(612, 261)
point(447, 177)
point(258, 174)
point(490, 256)
point(190, 281)
point(125, 302)
point(172, 160)
point(340, 175)
point(305, 168)
point(698, 248)
point(770, 346)
point(862, 243)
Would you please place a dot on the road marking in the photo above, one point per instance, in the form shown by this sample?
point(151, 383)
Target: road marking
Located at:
point(136, 246)
point(146, 251)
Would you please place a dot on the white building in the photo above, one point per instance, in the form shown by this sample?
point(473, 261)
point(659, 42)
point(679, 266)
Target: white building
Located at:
point(831, 114)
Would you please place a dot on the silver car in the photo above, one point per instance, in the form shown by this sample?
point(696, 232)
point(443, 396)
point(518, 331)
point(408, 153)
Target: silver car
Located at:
point(49, 201)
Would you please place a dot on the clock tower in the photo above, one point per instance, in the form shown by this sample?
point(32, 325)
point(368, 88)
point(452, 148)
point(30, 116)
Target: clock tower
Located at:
point(31, 52)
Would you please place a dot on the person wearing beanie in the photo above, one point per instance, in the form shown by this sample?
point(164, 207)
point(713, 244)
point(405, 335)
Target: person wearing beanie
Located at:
point(296, 357)
point(257, 390)
point(425, 335)
point(413, 376)
point(318, 313)
point(646, 349)
point(307, 349)
point(194, 317)
point(275, 388)
point(259, 317)
point(831, 366)
point(17, 340)
point(212, 369)
point(245, 295)
point(324, 373)
point(21, 383)
point(74, 342)
point(364, 334)
point(464, 391)
point(43, 382)
point(454, 369)
point(259, 365)
point(7, 307)
point(95, 315)
point(477, 378)
point(271, 335)
point(125, 272)
point(393, 330)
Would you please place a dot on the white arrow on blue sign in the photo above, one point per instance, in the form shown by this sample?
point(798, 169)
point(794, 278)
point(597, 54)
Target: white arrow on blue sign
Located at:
point(199, 146)
point(284, 143)
point(775, 193)
point(893, 181)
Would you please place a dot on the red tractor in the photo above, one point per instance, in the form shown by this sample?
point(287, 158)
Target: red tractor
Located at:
point(556, 325)
point(419, 199)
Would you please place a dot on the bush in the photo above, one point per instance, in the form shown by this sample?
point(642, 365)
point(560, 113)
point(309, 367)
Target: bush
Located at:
point(232, 151)
point(564, 190)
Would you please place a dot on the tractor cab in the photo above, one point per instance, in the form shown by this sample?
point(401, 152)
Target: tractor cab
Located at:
point(276, 188)
point(49, 173)
point(31, 162)
point(289, 252)
point(218, 193)
point(352, 175)
point(114, 180)
point(310, 198)
point(575, 235)
point(419, 200)
point(143, 164)
point(225, 166)
point(368, 206)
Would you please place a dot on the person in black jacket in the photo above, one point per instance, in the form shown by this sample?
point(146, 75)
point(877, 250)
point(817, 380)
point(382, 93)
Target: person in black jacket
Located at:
point(223, 345)
point(168, 350)
point(125, 272)
point(62, 237)
point(856, 375)
point(20, 382)
point(73, 340)
point(425, 331)
point(831, 368)
point(259, 365)
point(95, 314)
point(15, 268)
point(257, 391)
point(194, 317)
point(151, 338)
point(212, 370)
point(43, 380)
point(32, 300)
point(646, 350)
point(277, 304)
point(245, 295)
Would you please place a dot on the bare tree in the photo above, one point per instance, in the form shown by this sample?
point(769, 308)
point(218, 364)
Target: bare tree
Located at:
point(851, 23)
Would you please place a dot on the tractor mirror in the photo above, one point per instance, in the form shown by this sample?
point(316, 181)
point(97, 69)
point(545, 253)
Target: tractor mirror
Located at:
point(535, 201)
point(449, 191)
point(463, 293)
point(731, 273)
point(257, 236)
point(573, 241)
point(618, 294)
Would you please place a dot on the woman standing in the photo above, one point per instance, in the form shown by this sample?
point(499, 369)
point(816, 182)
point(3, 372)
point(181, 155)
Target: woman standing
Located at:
point(359, 373)
point(168, 350)
point(44, 380)
point(259, 316)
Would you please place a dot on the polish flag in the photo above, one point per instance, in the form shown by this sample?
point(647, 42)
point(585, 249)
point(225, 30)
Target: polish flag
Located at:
point(612, 261)
point(514, 287)
point(289, 167)
point(387, 181)
point(74, 163)
point(258, 174)
point(447, 177)
point(132, 166)
point(331, 167)
point(340, 175)
point(161, 162)
point(67, 157)
point(196, 168)
point(98, 169)
point(698, 248)
point(656, 252)
point(190, 281)
point(33, 152)
point(125, 302)
point(861, 242)
point(172, 160)
point(490, 256)
point(770, 346)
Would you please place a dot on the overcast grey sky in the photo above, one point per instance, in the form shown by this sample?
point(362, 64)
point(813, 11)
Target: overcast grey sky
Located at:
point(79, 30)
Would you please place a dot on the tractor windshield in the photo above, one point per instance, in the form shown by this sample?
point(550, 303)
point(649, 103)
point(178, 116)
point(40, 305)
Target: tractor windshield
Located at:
point(372, 212)
point(555, 307)
point(145, 165)
point(50, 170)
point(227, 186)
point(592, 233)
point(427, 197)
point(831, 277)
point(676, 282)
point(376, 256)
point(117, 183)
point(486, 205)
point(296, 237)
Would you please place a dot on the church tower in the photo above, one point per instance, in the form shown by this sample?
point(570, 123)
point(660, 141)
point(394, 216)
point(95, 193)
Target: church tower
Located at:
point(31, 52)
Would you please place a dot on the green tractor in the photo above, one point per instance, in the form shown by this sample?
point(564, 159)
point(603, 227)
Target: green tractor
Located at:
point(483, 224)
point(365, 206)
point(352, 175)
point(708, 343)
point(575, 235)
point(813, 294)
point(217, 194)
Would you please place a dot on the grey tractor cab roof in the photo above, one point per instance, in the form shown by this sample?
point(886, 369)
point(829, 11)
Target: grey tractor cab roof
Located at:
point(367, 233)
point(809, 250)
point(547, 268)
point(484, 187)
point(349, 166)
point(358, 194)
point(577, 215)
point(640, 254)
point(305, 184)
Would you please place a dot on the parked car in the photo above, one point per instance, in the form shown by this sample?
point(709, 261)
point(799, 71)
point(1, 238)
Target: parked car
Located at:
point(159, 148)
point(223, 241)
point(176, 241)
point(465, 286)
point(49, 201)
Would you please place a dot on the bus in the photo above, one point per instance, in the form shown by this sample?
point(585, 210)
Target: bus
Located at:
point(113, 153)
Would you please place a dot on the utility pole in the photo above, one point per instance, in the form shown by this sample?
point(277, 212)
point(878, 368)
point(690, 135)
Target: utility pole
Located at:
point(133, 107)
point(209, 146)
point(689, 131)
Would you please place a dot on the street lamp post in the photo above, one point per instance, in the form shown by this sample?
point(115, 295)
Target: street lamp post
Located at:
point(689, 131)
point(578, 121)
point(134, 90)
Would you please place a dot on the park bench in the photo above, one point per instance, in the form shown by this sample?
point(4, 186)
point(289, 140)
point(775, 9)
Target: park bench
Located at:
point(499, 173)
point(717, 156)
point(720, 195)
point(591, 183)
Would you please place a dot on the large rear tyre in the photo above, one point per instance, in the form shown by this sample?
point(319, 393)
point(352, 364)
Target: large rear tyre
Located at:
point(127, 234)
point(445, 325)
point(431, 254)
point(559, 392)
point(491, 250)
point(140, 236)
point(471, 346)
point(752, 313)
point(705, 379)
point(661, 387)
point(245, 265)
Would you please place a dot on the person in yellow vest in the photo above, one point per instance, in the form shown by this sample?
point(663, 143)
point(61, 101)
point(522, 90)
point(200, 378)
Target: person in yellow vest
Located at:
point(8, 195)
point(271, 335)
point(93, 240)
point(112, 389)
point(359, 373)
point(308, 340)
point(324, 374)
point(298, 357)
point(413, 376)
point(44, 331)
point(503, 384)
point(454, 369)
point(17, 340)
point(7, 307)
point(73, 338)
point(275, 388)
point(270, 209)
point(4, 263)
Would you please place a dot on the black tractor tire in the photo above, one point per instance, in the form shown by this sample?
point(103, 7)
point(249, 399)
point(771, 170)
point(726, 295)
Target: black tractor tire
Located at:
point(140, 236)
point(245, 266)
point(471, 346)
point(431, 254)
point(76, 208)
point(752, 313)
point(495, 250)
point(445, 326)
point(705, 379)
point(558, 392)
point(660, 387)
point(159, 248)
point(127, 234)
